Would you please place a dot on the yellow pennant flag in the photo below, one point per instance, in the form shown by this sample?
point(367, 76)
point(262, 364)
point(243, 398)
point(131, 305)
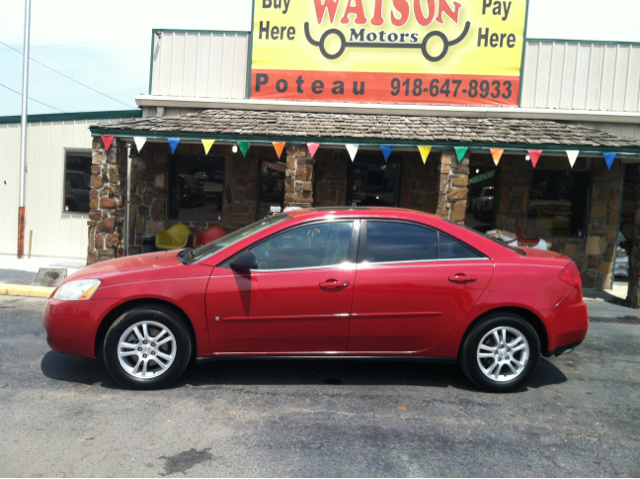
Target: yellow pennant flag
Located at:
point(279, 146)
point(497, 154)
point(207, 145)
point(424, 152)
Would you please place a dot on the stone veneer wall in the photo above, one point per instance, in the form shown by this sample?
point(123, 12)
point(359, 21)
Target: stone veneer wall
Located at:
point(594, 253)
point(454, 179)
point(106, 216)
point(420, 183)
point(299, 178)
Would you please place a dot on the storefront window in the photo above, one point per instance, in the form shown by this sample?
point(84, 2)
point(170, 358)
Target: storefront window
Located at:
point(272, 176)
point(481, 199)
point(77, 182)
point(558, 203)
point(195, 189)
point(372, 182)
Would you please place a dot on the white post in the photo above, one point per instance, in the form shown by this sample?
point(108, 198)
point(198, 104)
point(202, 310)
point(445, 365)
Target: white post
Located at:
point(23, 143)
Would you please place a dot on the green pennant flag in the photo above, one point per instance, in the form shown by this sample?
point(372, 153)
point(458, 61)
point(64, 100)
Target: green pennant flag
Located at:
point(244, 147)
point(460, 152)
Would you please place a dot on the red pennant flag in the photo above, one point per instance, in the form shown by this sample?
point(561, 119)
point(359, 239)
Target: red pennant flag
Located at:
point(313, 147)
point(535, 155)
point(107, 140)
point(279, 146)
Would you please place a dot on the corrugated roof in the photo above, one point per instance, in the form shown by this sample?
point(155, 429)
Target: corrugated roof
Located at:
point(300, 125)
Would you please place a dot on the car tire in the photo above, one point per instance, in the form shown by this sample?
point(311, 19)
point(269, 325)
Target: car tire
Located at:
point(484, 346)
point(150, 334)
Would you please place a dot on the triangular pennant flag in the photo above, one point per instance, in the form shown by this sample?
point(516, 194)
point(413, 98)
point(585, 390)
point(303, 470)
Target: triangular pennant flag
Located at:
point(244, 147)
point(609, 158)
point(279, 146)
point(573, 156)
point(173, 142)
point(424, 153)
point(497, 154)
point(313, 147)
point(107, 140)
point(386, 151)
point(139, 141)
point(207, 145)
point(353, 150)
point(460, 152)
point(535, 155)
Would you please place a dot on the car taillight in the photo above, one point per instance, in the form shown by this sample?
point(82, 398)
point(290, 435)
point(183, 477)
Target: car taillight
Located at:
point(571, 275)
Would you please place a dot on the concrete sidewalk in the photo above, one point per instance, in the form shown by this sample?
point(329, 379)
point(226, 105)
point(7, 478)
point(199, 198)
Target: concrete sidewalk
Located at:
point(18, 275)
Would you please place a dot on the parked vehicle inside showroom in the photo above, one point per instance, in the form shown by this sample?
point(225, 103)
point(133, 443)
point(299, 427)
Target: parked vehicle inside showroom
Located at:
point(362, 282)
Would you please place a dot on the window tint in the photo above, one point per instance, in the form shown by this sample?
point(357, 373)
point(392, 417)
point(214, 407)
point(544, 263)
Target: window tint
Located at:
point(391, 242)
point(317, 245)
point(454, 249)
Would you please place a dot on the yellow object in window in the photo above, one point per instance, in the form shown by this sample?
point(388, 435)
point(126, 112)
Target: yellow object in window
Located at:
point(175, 237)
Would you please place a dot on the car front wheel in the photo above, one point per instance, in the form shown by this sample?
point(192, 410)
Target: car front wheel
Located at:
point(500, 352)
point(147, 347)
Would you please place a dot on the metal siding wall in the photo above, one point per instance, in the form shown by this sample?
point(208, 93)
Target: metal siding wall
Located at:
point(581, 76)
point(54, 232)
point(200, 65)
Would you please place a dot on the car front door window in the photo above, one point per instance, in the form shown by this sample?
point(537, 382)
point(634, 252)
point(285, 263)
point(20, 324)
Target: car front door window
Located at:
point(311, 246)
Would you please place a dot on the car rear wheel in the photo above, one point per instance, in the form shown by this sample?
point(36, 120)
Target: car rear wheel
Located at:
point(148, 347)
point(500, 352)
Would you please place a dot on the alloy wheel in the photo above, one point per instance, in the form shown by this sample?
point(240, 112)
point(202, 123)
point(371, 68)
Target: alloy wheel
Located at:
point(503, 354)
point(146, 349)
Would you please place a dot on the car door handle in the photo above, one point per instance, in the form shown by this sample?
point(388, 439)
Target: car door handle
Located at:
point(463, 278)
point(333, 285)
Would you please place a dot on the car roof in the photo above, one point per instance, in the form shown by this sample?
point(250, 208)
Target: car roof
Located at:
point(360, 212)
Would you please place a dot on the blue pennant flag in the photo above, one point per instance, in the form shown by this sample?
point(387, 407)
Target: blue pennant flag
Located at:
point(173, 142)
point(386, 151)
point(609, 158)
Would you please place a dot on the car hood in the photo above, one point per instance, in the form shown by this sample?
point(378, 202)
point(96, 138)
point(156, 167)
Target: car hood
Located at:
point(123, 267)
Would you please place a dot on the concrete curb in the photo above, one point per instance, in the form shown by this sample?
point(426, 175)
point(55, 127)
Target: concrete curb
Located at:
point(23, 290)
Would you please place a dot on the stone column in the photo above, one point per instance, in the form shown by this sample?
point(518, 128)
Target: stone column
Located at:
point(633, 292)
point(106, 216)
point(299, 180)
point(454, 178)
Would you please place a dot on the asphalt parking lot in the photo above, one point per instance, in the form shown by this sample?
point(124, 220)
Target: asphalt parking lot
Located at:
point(62, 415)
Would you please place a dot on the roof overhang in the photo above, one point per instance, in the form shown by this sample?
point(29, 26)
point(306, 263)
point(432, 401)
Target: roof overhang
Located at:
point(390, 109)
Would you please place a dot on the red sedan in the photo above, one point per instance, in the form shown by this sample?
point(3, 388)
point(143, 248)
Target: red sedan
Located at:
point(326, 282)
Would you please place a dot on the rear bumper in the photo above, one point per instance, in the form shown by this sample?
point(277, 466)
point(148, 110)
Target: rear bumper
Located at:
point(71, 326)
point(567, 324)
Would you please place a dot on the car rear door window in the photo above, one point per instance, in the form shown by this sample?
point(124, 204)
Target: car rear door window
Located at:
point(311, 246)
point(395, 242)
point(390, 242)
point(454, 249)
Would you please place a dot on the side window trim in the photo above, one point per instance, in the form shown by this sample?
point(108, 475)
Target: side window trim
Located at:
point(351, 253)
point(362, 253)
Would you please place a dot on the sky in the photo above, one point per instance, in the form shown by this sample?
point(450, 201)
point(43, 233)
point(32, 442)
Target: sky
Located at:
point(106, 44)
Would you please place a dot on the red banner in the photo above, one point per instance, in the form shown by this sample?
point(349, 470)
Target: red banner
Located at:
point(470, 90)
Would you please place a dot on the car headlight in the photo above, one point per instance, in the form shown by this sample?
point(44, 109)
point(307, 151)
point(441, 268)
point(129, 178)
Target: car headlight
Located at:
point(80, 290)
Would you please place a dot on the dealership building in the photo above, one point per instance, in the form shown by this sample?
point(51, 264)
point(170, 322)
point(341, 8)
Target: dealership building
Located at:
point(452, 111)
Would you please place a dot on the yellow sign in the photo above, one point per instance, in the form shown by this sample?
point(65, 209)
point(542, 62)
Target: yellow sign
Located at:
point(466, 52)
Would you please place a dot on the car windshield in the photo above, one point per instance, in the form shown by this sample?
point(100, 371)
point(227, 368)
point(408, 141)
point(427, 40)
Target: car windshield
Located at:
point(207, 250)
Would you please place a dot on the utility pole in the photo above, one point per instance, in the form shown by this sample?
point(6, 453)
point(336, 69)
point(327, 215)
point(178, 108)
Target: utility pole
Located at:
point(23, 143)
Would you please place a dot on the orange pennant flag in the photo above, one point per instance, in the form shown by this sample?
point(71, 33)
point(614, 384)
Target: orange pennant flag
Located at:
point(497, 154)
point(279, 146)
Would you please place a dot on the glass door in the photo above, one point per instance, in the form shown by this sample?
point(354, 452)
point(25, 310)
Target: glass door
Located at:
point(372, 182)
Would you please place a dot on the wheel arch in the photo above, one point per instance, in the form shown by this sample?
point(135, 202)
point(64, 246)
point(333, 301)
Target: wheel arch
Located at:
point(116, 312)
point(532, 318)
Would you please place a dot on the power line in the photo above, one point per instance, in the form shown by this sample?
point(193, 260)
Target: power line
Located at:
point(68, 77)
point(18, 93)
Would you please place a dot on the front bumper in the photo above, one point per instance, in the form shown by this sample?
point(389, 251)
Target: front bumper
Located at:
point(71, 326)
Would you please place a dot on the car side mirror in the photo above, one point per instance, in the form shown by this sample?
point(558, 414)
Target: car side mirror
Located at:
point(244, 263)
